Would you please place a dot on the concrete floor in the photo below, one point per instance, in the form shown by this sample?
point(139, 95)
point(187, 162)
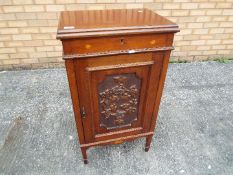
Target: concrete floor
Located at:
point(194, 133)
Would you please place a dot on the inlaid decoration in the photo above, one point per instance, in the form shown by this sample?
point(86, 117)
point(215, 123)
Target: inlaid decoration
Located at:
point(118, 100)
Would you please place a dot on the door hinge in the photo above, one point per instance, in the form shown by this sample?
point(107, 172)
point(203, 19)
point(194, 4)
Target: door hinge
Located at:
point(82, 111)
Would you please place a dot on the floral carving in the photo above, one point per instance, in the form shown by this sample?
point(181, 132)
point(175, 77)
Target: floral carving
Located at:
point(118, 103)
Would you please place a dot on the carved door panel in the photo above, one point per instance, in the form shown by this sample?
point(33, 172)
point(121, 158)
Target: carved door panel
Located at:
point(118, 99)
point(114, 97)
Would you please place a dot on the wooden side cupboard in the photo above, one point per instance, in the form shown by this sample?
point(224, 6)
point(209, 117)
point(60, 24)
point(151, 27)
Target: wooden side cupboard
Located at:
point(116, 63)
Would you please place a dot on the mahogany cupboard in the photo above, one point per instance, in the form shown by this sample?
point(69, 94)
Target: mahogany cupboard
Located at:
point(116, 63)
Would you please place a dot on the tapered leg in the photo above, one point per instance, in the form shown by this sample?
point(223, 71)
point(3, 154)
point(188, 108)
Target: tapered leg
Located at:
point(84, 153)
point(148, 142)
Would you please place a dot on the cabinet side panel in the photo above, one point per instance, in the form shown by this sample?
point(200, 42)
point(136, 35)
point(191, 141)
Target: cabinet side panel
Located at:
point(82, 79)
point(162, 77)
point(160, 89)
point(75, 100)
point(151, 91)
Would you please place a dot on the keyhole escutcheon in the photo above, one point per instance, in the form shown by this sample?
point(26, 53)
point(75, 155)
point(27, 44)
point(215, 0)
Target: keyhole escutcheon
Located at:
point(122, 41)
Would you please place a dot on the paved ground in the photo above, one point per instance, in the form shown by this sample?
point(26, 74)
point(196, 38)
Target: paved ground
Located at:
point(194, 132)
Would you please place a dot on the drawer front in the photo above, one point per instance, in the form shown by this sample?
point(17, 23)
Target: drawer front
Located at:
point(117, 94)
point(115, 43)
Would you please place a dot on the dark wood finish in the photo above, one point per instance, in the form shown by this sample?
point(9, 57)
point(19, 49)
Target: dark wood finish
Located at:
point(116, 43)
point(116, 62)
point(96, 23)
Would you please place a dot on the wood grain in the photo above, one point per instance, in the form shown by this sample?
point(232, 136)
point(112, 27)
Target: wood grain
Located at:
point(76, 24)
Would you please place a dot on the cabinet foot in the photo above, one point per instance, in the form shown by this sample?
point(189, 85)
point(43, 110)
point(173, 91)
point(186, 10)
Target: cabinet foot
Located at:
point(84, 153)
point(146, 149)
point(148, 142)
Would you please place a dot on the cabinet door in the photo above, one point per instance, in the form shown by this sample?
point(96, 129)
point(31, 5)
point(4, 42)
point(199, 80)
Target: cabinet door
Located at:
point(117, 94)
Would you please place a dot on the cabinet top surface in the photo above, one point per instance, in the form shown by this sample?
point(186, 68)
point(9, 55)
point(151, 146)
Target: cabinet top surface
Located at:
point(107, 22)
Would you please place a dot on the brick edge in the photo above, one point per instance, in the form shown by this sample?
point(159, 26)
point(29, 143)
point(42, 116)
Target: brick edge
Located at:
point(31, 66)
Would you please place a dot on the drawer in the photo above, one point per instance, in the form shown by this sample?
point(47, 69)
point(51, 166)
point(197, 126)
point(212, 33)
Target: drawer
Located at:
point(115, 43)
